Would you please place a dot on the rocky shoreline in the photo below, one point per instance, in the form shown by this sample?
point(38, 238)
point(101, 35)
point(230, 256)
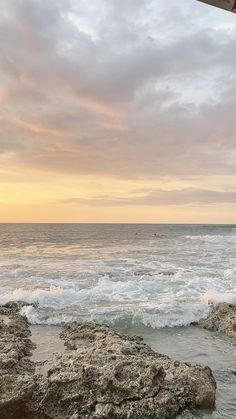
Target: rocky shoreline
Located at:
point(102, 374)
point(222, 319)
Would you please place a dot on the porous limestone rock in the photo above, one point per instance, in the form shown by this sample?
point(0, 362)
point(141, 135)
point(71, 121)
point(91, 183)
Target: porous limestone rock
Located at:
point(222, 319)
point(108, 375)
point(102, 375)
point(16, 370)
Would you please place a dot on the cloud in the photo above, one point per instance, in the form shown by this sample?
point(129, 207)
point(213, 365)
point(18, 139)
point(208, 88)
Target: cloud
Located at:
point(156, 77)
point(37, 128)
point(160, 197)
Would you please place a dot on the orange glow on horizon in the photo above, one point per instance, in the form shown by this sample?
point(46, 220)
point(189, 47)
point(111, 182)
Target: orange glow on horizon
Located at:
point(43, 198)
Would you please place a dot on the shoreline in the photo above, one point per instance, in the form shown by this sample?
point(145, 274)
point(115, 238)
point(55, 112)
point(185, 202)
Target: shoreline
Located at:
point(101, 374)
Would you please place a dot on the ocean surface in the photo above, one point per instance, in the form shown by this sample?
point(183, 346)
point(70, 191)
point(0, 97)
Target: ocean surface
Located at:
point(143, 279)
point(123, 274)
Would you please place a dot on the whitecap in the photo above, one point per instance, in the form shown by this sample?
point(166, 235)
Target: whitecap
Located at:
point(216, 297)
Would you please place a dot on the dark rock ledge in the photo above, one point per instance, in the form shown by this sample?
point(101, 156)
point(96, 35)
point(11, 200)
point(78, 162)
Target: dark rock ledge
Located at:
point(102, 374)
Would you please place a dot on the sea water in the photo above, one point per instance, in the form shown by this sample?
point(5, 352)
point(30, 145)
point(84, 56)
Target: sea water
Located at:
point(154, 275)
point(143, 279)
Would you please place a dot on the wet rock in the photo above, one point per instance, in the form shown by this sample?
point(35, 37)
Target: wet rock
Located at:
point(102, 375)
point(142, 272)
point(222, 319)
point(115, 376)
point(16, 370)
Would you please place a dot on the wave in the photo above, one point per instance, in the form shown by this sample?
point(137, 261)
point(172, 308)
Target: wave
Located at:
point(104, 291)
point(154, 303)
point(155, 321)
point(136, 289)
point(217, 239)
point(230, 275)
point(215, 297)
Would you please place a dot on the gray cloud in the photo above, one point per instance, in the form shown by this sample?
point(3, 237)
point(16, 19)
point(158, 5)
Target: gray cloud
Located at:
point(128, 88)
point(160, 197)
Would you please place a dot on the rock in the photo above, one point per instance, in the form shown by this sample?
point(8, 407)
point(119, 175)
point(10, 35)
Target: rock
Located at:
point(103, 375)
point(221, 319)
point(16, 378)
point(115, 376)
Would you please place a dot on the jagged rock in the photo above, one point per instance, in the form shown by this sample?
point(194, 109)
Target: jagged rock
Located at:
point(108, 375)
point(16, 369)
point(222, 319)
point(103, 375)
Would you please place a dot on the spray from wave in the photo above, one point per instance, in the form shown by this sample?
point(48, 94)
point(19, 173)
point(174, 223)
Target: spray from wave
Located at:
point(155, 276)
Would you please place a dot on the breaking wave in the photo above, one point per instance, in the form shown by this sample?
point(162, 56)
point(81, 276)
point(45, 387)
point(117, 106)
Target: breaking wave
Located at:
point(155, 321)
point(215, 297)
point(118, 275)
point(214, 239)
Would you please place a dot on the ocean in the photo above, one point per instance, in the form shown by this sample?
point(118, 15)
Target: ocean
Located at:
point(142, 279)
point(121, 274)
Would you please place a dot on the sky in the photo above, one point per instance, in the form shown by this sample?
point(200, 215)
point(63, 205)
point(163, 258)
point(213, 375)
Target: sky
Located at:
point(117, 111)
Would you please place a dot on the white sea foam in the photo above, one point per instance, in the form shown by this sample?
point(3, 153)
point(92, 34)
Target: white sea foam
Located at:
point(105, 290)
point(158, 301)
point(155, 303)
point(126, 279)
point(215, 297)
point(155, 321)
point(36, 317)
point(214, 239)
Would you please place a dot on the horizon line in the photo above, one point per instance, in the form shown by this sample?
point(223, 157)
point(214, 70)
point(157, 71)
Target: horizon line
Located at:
point(112, 223)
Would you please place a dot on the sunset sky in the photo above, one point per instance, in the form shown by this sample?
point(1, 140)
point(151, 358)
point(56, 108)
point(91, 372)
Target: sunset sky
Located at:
point(117, 111)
